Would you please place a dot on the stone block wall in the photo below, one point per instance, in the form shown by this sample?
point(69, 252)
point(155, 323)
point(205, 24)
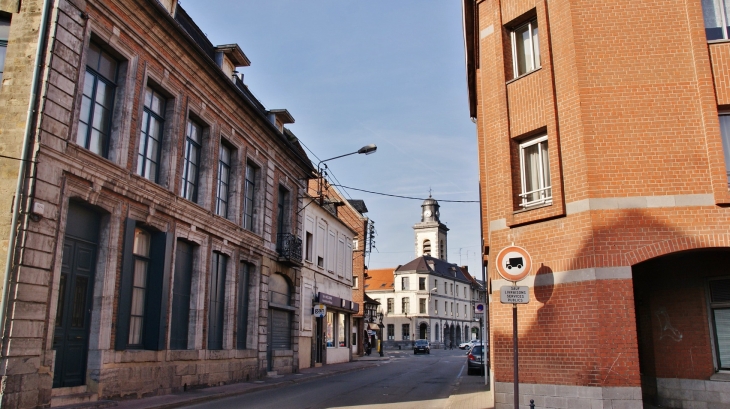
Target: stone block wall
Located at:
point(549, 396)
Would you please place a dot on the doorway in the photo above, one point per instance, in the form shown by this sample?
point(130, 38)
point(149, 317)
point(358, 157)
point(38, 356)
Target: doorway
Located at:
point(422, 329)
point(75, 291)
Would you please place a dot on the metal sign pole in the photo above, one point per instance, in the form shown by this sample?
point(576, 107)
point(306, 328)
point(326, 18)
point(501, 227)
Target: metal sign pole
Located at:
point(514, 346)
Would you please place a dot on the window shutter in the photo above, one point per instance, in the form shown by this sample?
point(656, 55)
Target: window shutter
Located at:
point(125, 287)
point(158, 285)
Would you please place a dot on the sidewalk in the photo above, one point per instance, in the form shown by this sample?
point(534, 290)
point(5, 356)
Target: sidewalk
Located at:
point(181, 399)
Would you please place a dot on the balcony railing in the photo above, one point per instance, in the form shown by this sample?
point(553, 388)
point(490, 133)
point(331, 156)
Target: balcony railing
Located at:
point(289, 248)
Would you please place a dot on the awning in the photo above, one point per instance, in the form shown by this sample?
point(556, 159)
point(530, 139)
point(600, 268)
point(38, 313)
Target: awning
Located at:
point(374, 326)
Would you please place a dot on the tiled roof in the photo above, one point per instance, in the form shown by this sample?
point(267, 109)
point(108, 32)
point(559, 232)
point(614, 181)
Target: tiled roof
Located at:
point(380, 279)
point(435, 266)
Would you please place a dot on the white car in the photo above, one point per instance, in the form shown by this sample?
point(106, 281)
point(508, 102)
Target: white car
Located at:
point(470, 344)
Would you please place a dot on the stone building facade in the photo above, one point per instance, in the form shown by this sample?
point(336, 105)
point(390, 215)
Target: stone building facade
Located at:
point(603, 152)
point(155, 241)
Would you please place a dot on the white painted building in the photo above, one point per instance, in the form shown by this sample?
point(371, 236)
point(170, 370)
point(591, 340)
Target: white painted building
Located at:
point(326, 279)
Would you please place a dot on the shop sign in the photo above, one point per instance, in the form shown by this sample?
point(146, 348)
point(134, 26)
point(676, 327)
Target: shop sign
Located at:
point(320, 310)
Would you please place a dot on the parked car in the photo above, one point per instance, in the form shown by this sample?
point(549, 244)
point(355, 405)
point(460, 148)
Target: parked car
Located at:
point(474, 363)
point(422, 345)
point(469, 344)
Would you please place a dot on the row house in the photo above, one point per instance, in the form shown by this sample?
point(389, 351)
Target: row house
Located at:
point(155, 219)
point(327, 280)
point(604, 151)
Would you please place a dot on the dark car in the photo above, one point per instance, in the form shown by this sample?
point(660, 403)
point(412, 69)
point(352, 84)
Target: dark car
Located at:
point(474, 361)
point(422, 346)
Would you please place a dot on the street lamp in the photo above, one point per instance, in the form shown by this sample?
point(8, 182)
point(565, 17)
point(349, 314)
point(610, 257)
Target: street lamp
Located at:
point(367, 150)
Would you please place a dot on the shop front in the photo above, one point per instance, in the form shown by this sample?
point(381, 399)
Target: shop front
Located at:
point(333, 343)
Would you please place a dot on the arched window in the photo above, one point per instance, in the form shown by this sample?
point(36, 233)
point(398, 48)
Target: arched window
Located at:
point(427, 247)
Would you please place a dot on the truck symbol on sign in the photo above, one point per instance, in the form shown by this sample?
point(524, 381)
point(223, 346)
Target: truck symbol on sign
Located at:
point(516, 262)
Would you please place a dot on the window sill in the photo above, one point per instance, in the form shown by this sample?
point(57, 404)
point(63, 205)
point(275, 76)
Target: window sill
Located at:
point(535, 207)
point(718, 41)
point(522, 76)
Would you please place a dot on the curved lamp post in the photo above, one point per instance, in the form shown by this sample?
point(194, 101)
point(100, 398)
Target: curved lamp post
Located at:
point(366, 150)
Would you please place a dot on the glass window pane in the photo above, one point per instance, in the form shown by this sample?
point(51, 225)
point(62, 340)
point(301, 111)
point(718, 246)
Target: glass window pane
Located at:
point(330, 330)
point(140, 273)
point(135, 330)
point(108, 67)
point(531, 162)
point(82, 133)
point(96, 142)
point(725, 133)
point(156, 105)
point(141, 243)
point(148, 97)
point(151, 171)
point(89, 84)
point(523, 53)
point(341, 330)
point(92, 56)
point(722, 331)
point(712, 11)
point(545, 170)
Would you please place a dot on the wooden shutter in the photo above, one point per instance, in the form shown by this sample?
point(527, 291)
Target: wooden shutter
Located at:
point(243, 287)
point(158, 287)
point(179, 321)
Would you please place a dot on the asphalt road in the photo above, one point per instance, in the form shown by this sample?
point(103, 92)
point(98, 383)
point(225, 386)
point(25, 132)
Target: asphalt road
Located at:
point(438, 380)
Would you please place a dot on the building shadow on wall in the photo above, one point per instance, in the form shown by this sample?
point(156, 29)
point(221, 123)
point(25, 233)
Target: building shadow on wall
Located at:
point(591, 332)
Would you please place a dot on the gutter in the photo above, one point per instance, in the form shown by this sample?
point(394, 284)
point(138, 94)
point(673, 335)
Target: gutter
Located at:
point(27, 142)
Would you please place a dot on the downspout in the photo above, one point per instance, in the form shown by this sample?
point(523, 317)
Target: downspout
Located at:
point(27, 142)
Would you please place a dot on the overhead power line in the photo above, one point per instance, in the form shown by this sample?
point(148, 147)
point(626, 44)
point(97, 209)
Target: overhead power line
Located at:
point(405, 197)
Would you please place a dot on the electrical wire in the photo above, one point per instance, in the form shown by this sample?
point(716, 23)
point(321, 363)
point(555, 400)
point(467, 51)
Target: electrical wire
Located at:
point(403, 197)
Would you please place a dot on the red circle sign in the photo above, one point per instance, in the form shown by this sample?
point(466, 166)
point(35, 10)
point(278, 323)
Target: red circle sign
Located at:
point(514, 263)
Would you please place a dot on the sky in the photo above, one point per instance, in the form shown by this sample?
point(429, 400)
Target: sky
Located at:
point(352, 73)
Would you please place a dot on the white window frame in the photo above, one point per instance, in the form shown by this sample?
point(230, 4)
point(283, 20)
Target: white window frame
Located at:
point(543, 190)
point(533, 61)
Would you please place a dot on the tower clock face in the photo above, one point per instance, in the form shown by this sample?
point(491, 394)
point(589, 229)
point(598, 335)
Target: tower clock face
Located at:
point(427, 213)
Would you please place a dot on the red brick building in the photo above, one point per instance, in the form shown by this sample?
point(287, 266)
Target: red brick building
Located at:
point(603, 149)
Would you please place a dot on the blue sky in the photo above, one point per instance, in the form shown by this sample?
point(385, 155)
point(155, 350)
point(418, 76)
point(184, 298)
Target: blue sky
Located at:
point(354, 73)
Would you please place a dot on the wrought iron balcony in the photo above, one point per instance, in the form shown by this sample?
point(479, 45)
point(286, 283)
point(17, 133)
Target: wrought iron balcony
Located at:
point(289, 248)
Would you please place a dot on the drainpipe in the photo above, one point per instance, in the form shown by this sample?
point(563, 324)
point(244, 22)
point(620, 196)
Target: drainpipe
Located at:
point(27, 142)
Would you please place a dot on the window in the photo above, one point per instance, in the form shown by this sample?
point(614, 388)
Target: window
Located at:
point(391, 331)
point(716, 19)
point(97, 102)
point(464, 311)
point(4, 35)
point(249, 196)
point(217, 295)
point(535, 173)
point(153, 122)
point(422, 305)
point(441, 250)
point(525, 49)
point(725, 134)
point(437, 332)
point(308, 238)
point(224, 180)
point(390, 305)
point(282, 217)
point(405, 305)
point(404, 283)
point(141, 252)
point(422, 283)
point(427, 247)
point(452, 309)
point(244, 279)
point(452, 288)
point(435, 307)
point(457, 309)
point(142, 312)
point(321, 242)
point(330, 329)
point(446, 290)
point(191, 161)
point(355, 281)
point(720, 306)
point(436, 285)
point(341, 330)
point(406, 332)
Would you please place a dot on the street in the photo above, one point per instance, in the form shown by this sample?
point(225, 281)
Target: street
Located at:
point(438, 380)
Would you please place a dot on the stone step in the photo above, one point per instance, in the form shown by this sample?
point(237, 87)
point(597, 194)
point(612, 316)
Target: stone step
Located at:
point(68, 390)
point(73, 399)
point(272, 374)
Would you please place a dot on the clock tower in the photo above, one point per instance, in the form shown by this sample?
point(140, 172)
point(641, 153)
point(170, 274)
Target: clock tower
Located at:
point(430, 232)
